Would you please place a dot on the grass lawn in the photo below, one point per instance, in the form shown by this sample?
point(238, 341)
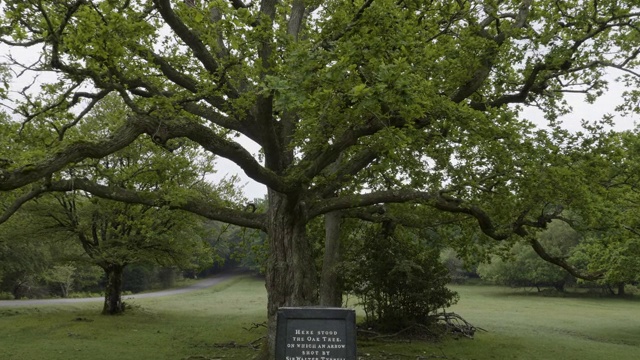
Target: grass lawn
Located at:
point(186, 326)
point(197, 325)
point(529, 326)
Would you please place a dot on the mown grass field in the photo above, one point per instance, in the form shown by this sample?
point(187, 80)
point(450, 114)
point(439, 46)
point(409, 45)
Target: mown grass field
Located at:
point(186, 326)
point(206, 324)
point(529, 326)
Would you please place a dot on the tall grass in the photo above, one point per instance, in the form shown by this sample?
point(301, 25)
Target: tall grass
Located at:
point(213, 323)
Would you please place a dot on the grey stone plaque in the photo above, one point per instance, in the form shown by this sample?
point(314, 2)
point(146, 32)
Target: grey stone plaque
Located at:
point(316, 333)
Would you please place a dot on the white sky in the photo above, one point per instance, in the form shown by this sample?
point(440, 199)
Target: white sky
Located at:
point(582, 110)
point(251, 188)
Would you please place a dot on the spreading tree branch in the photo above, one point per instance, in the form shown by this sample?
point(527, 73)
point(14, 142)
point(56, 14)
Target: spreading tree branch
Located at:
point(199, 206)
point(456, 206)
point(539, 249)
point(189, 38)
point(75, 152)
point(19, 202)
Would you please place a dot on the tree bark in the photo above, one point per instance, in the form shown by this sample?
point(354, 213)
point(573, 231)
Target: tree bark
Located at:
point(610, 290)
point(113, 304)
point(330, 291)
point(621, 289)
point(291, 275)
point(64, 289)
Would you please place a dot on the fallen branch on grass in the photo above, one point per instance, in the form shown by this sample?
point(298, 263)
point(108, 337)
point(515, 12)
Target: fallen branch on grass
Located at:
point(388, 355)
point(455, 324)
point(377, 335)
point(255, 344)
point(256, 326)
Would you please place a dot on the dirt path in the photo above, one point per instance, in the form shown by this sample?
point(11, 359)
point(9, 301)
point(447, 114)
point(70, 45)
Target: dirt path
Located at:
point(202, 284)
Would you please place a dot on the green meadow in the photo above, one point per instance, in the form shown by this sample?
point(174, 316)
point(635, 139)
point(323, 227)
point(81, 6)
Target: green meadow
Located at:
point(220, 323)
point(526, 325)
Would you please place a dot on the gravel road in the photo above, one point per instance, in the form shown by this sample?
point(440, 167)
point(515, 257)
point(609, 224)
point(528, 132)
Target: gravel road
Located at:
point(202, 284)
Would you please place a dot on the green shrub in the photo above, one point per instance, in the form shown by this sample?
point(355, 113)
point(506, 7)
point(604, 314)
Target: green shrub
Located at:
point(631, 289)
point(398, 278)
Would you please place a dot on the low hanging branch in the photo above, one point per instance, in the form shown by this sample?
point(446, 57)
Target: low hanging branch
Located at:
point(442, 201)
point(194, 204)
point(539, 249)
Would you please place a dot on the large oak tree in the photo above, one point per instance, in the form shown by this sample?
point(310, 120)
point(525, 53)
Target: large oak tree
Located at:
point(352, 103)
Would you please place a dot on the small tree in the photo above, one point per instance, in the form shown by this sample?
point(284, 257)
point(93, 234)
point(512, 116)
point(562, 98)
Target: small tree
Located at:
point(615, 255)
point(115, 235)
point(62, 276)
point(522, 267)
point(398, 277)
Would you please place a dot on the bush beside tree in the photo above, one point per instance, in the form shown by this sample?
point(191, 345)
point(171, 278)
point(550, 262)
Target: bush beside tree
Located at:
point(397, 276)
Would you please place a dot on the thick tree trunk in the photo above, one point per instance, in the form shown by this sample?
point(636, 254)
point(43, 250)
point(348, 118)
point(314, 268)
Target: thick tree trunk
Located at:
point(330, 291)
point(113, 304)
point(621, 289)
point(291, 275)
